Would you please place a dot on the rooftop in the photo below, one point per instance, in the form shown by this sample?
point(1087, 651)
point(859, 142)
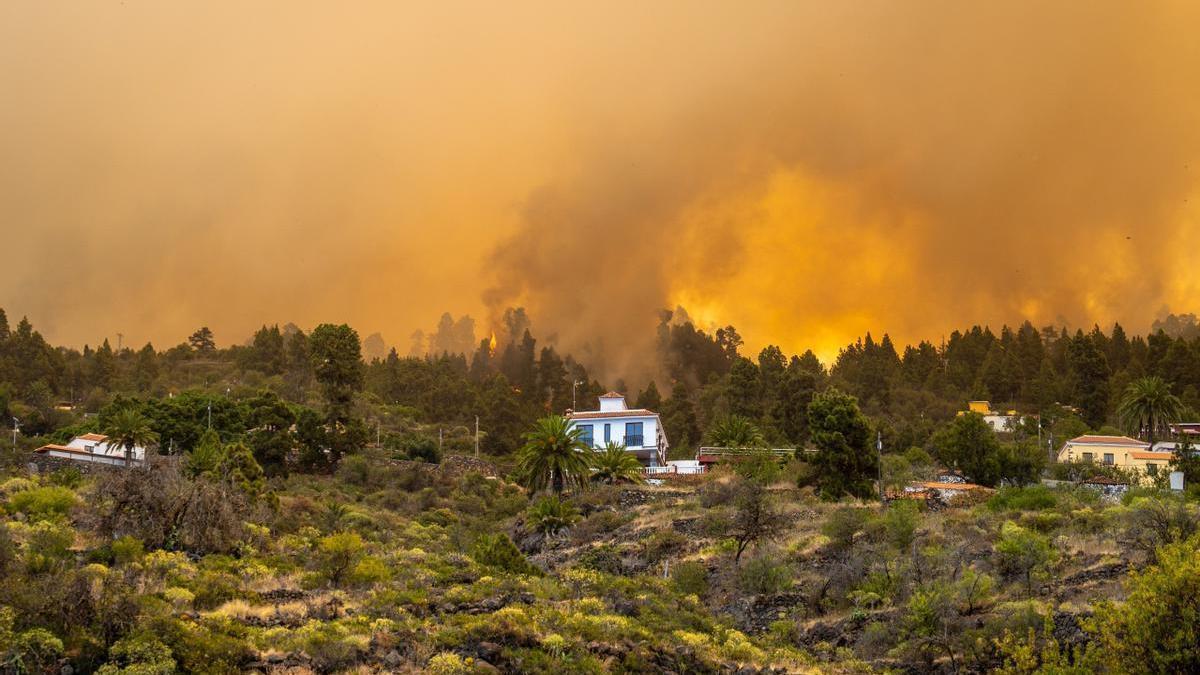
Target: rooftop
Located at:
point(1164, 456)
point(598, 414)
point(1109, 440)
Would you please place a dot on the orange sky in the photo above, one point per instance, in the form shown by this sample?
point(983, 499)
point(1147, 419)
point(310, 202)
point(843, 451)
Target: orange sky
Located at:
point(803, 171)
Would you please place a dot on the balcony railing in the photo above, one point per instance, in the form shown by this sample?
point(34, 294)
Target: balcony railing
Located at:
point(655, 470)
point(633, 441)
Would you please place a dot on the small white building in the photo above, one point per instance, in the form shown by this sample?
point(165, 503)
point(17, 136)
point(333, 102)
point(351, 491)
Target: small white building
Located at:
point(639, 430)
point(93, 448)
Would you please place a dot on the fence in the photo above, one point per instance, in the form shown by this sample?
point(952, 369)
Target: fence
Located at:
point(680, 470)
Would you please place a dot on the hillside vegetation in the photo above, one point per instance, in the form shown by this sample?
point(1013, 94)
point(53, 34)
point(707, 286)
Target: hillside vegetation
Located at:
point(304, 510)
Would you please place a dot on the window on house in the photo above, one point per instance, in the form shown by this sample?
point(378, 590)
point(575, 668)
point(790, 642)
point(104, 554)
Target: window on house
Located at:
point(585, 434)
point(1108, 458)
point(633, 434)
point(1088, 457)
point(607, 433)
point(1151, 469)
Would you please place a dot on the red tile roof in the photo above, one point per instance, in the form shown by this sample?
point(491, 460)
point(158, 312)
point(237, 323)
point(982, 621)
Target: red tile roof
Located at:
point(1164, 456)
point(94, 437)
point(613, 394)
point(1109, 440)
point(599, 414)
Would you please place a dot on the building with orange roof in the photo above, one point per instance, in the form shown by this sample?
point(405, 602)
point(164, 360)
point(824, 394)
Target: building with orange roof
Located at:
point(639, 430)
point(1130, 454)
point(92, 448)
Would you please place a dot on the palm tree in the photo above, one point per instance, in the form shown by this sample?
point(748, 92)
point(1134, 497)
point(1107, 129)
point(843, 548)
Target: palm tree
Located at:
point(1148, 406)
point(128, 428)
point(735, 431)
point(554, 456)
point(614, 464)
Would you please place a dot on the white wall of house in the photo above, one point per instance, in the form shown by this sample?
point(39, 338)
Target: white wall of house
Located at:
point(113, 460)
point(1001, 423)
point(637, 430)
point(621, 430)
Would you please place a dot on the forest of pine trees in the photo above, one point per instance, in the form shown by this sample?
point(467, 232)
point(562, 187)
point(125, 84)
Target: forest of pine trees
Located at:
point(696, 377)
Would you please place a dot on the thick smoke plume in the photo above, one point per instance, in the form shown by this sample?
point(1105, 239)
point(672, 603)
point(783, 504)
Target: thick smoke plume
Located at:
point(804, 171)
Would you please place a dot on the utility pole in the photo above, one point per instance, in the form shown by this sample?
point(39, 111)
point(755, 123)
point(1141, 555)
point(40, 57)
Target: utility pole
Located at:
point(120, 341)
point(439, 441)
point(477, 437)
point(16, 428)
point(574, 403)
point(879, 463)
point(210, 415)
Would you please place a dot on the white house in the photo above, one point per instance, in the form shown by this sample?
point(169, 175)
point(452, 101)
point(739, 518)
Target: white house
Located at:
point(93, 448)
point(639, 430)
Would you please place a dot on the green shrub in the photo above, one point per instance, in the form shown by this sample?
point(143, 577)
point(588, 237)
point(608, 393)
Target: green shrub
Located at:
point(337, 554)
point(842, 524)
point(32, 651)
point(127, 549)
point(420, 448)
point(138, 654)
point(42, 503)
point(1032, 498)
point(498, 551)
point(763, 575)
point(48, 546)
point(1155, 630)
point(369, 570)
point(600, 522)
point(1022, 552)
point(604, 558)
point(900, 523)
point(551, 515)
point(662, 543)
point(68, 477)
point(447, 663)
point(355, 470)
point(691, 578)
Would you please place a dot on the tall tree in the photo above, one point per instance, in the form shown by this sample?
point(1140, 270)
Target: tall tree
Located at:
point(336, 357)
point(1148, 408)
point(1089, 373)
point(745, 389)
point(128, 429)
point(202, 340)
point(845, 461)
point(649, 398)
point(969, 445)
point(554, 456)
point(735, 431)
point(270, 437)
point(267, 351)
point(679, 417)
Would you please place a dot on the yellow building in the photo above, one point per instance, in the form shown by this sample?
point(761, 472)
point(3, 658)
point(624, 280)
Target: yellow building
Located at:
point(1119, 451)
point(981, 407)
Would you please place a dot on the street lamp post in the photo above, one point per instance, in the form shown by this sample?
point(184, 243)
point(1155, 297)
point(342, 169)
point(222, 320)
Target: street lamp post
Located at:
point(879, 463)
point(574, 384)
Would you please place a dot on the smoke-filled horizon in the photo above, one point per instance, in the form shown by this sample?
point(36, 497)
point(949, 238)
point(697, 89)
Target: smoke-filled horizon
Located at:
point(806, 172)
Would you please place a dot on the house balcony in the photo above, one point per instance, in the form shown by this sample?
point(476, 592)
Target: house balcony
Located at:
point(634, 441)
